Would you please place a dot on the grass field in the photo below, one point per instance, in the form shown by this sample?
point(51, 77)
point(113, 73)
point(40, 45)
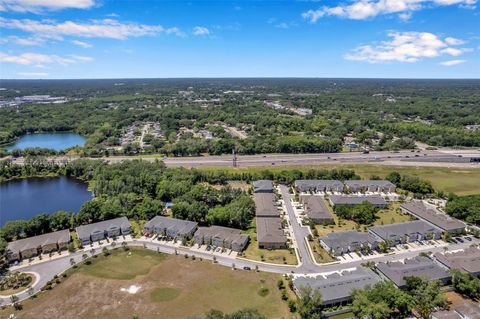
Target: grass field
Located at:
point(461, 181)
point(321, 255)
point(170, 287)
point(276, 256)
point(391, 215)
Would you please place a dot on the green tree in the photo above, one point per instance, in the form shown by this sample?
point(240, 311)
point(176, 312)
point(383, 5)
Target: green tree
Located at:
point(310, 303)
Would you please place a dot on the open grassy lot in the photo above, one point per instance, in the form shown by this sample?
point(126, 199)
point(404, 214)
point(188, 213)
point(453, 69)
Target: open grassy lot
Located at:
point(392, 215)
point(457, 180)
point(125, 265)
point(321, 255)
point(276, 256)
point(169, 287)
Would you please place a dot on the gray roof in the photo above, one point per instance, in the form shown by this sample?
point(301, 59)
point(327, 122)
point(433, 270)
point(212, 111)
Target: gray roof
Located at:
point(347, 238)
point(445, 314)
point(401, 229)
point(305, 185)
point(433, 216)
point(263, 185)
point(181, 226)
point(269, 230)
point(61, 236)
point(265, 205)
point(315, 207)
point(467, 260)
point(418, 266)
point(469, 310)
point(85, 231)
point(369, 183)
point(339, 286)
point(356, 200)
point(232, 235)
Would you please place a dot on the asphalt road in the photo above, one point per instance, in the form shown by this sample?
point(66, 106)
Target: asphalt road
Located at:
point(48, 269)
point(447, 158)
point(300, 232)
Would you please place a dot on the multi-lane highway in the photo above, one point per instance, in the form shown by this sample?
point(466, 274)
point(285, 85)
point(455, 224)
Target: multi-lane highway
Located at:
point(444, 158)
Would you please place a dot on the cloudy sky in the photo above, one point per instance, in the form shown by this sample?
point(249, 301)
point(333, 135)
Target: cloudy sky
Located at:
point(222, 38)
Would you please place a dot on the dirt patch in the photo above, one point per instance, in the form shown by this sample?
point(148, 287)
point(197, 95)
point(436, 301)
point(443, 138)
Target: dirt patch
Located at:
point(198, 286)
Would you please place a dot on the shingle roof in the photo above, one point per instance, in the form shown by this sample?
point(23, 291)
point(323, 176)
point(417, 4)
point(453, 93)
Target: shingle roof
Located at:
point(467, 260)
point(265, 205)
point(338, 286)
point(356, 200)
point(85, 231)
point(304, 185)
point(469, 310)
point(263, 186)
point(347, 238)
point(433, 216)
point(315, 207)
point(418, 266)
point(182, 226)
point(416, 226)
point(269, 230)
point(61, 236)
point(225, 233)
point(369, 183)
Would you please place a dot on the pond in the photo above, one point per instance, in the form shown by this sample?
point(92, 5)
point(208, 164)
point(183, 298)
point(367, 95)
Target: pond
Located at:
point(57, 141)
point(25, 198)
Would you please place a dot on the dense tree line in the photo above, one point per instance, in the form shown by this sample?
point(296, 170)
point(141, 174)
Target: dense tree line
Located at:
point(139, 190)
point(384, 300)
point(466, 208)
point(385, 115)
point(466, 284)
point(419, 187)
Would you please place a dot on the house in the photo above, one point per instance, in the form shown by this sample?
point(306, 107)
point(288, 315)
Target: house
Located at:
point(317, 185)
point(336, 288)
point(375, 200)
point(419, 266)
point(372, 186)
point(348, 241)
point(270, 234)
point(170, 227)
point(101, 230)
point(433, 216)
point(33, 246)
point(464, 310)
point(401, 233)
point(224, 237)
point(316, 209)
point(263, 186)
point(265, 205)
point(467, 260)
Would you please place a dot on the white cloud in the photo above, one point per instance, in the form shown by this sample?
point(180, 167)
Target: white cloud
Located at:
point(39, 59)
point(364, 9)
point(82, 44)
point(106, 28)
point(81, 58)
point(33, 74)
point(406, 47)
point(201, 31)
point(22, 41)
point(40, 5)
point(452, 62)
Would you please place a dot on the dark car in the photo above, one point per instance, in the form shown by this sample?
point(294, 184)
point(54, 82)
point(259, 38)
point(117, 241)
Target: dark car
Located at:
point(247, 268)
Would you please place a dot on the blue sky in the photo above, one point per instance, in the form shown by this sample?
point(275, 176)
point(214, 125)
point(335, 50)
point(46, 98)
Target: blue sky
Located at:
point(135, 38)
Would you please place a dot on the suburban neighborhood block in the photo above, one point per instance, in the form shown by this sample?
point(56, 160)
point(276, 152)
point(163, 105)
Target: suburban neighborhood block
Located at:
point(33, 246)
point(104, 229)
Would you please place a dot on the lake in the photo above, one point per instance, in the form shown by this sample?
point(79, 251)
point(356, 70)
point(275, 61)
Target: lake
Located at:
point(25, 198)
point(57, 141)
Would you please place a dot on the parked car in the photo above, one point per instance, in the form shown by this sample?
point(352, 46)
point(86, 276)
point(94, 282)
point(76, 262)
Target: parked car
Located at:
point(247, 268)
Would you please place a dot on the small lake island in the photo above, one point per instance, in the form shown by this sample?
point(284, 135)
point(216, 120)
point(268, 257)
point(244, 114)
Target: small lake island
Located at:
point(25, 198)
point(57, 141)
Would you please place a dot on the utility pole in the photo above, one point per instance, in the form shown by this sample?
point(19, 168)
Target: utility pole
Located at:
point(234, 158)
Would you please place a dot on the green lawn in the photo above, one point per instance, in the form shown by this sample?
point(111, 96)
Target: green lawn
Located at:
point(164, 294)
point(461, 181)
point(125, 265)
point(392, 215)
point(275, 256)
point(321, 255)
point(168, 286)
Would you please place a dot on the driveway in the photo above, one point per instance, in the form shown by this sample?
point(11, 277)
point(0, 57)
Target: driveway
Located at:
point(300, 233)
